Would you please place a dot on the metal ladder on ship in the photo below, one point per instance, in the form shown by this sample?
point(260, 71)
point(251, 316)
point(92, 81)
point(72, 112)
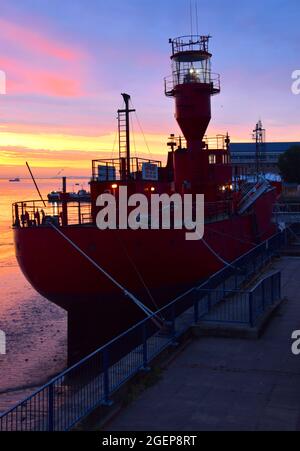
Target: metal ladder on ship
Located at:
point(124, 136)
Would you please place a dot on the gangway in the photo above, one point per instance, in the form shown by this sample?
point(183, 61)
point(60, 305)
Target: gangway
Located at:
point(253, 194)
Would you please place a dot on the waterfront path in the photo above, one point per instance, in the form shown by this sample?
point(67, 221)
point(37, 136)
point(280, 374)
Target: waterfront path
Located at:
point(229, 384)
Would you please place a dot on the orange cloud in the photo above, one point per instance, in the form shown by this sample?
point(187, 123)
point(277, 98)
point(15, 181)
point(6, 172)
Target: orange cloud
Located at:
point(37, 42)
point(24, 78)
point(40, 65)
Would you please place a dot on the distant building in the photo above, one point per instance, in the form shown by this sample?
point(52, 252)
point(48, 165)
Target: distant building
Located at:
point(244, 155)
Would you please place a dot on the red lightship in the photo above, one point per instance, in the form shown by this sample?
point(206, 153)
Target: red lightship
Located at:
point(154, 265)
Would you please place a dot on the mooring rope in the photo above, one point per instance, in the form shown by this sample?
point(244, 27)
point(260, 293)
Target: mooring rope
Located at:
point(127, 293)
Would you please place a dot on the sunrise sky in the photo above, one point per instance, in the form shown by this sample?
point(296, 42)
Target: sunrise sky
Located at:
point(67, 62)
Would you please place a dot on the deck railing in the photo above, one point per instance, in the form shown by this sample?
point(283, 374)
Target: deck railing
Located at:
point(239, 307)
point(110, 170)
point(35, 213)
point(73, 394)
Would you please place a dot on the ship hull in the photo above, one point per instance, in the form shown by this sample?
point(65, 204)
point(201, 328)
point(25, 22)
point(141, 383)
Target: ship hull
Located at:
point(154, 265)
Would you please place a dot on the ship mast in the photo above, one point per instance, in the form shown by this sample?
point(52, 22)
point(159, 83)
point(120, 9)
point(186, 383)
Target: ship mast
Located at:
point(124, 136)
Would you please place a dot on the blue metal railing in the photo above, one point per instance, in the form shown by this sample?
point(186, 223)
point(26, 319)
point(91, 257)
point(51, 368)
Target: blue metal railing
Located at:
point(238, 307)
point(73, 394)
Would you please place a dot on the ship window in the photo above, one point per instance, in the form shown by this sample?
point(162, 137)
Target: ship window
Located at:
point(212, 159)
point(226, 159)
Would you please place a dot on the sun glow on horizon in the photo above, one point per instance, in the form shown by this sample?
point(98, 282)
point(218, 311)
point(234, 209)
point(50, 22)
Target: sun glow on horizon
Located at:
point(55, 150)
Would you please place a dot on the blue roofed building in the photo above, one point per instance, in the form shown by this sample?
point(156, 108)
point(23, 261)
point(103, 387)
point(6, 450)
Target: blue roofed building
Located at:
point(244, 155)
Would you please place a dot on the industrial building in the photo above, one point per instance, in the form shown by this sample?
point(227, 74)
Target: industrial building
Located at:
point(244, 155)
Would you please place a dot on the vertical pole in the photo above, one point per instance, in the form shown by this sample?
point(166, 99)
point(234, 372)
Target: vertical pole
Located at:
point(64, 185)
point(273, 281)
point(22, 217)
point(126, 98)
point(209, 302)
point(127, 110)
point(263, 295)
point(251, 309)
point(145, 347)
point(79, 213)
point(196, 310)
point(173, 320)
point(17, 219)
point(50, 408)
point(64, 202)
point(107, 401)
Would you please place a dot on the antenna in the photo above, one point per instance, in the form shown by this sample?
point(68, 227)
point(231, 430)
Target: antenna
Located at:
point(191, 15)
point(259, 136)
point(197, 21)
point(194, 10)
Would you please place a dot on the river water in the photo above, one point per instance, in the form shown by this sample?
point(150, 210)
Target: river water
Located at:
point(36, 330)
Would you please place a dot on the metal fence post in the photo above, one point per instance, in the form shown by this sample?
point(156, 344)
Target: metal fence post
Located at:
point(145, 348)
point(263, 295)
point(209, 302)
point(173, 319)
point(196, 310)
point(251, 309)
point(107, 401)
point(51, 408)
point(273, 281)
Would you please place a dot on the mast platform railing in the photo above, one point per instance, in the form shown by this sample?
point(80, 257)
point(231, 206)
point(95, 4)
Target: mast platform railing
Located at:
point(197, 77)
point(190, 43)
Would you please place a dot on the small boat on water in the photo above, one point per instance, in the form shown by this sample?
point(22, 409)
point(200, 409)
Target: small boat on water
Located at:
point(16, 179)
point(81, 196)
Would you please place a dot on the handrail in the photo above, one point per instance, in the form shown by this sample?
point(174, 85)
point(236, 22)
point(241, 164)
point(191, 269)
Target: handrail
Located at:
point(110, 376)
point(32, 213)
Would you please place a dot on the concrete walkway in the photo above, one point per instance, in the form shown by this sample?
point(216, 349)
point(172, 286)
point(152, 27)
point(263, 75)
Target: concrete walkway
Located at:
point(229, 384)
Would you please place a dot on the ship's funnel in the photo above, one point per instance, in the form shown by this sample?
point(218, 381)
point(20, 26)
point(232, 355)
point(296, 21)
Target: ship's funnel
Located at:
point(192, 84)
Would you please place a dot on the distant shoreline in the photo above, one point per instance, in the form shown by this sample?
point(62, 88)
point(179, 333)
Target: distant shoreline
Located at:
point(49, 178)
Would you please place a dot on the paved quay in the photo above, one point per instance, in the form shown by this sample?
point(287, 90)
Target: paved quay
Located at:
point(229, 384)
